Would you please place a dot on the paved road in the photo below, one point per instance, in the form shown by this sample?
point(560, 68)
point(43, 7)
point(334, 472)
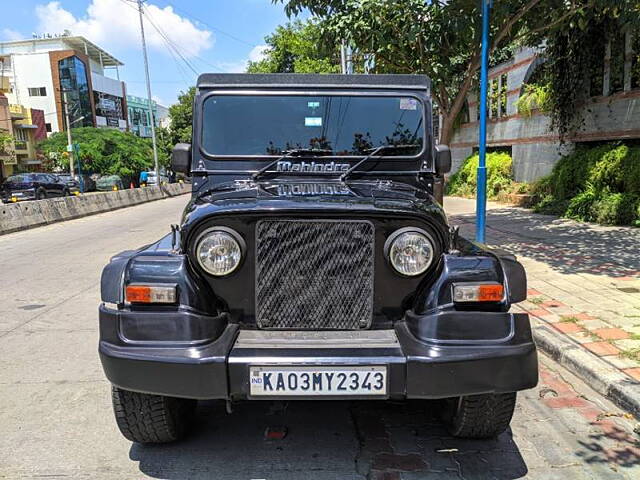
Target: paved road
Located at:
point(56, 420)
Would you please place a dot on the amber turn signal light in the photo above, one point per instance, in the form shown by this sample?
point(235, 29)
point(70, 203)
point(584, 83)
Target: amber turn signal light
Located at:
point(150, 294)
point(479, 292)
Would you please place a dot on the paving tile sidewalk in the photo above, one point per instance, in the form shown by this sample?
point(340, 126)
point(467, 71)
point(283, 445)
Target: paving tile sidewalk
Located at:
point(584, 279)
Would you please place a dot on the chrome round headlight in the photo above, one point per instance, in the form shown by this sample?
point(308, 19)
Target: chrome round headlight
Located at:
point(218, 251)
point(410, 251)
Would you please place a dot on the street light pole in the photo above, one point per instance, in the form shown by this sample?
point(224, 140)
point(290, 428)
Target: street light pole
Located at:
point(481, 194)
point(68, 124)
point(151, 116)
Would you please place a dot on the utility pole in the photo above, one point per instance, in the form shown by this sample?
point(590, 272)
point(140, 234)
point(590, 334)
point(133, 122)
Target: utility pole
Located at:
point(146, 71)
point(481, 194)
point(68, 124)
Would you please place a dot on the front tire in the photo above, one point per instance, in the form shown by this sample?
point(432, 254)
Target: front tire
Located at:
point(41, 194)
point(479, 416)
point(146, 418)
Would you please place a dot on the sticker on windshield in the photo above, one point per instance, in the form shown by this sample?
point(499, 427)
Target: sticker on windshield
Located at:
point(408, 104)
point(312, 121)
point(313, 104)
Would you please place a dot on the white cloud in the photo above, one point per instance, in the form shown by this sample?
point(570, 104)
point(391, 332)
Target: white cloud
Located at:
point(259, 52)
point(115, 23)
point(9, 34)
point(233, 67)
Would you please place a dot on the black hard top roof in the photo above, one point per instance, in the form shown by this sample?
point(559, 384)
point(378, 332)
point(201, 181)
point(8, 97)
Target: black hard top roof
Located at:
point(212, 80)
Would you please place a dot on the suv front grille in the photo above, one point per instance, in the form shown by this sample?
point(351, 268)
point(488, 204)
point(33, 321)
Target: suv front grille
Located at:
point(314, 274)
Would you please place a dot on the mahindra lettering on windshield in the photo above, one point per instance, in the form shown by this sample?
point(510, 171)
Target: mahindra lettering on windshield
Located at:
point(314, 261)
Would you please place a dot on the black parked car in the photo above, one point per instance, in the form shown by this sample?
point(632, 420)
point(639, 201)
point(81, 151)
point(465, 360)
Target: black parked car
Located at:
point(72, 184)
point(314, 261)
point(33, 186)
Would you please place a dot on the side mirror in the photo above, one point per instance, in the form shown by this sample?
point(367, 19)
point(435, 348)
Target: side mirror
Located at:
point(181, 158)
point(443, 159)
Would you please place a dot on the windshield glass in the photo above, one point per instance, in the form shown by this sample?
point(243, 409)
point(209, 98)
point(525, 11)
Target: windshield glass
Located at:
point(344, 125)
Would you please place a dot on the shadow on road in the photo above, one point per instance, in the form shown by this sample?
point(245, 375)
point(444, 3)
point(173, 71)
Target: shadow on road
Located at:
point(565, 245)
point(327, 440)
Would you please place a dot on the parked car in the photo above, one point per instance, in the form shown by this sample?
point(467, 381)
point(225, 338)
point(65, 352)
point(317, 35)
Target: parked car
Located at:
point(88, 183)
point(72, 184)
point(108, 183)
point(321, 271)
point(152, 178)
point(33, 186)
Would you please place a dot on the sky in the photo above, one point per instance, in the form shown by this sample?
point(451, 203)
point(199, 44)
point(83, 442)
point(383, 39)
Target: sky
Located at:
point(210, 35)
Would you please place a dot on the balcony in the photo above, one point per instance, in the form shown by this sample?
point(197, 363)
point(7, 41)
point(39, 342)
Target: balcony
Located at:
point(21, 146)
point(18, 111)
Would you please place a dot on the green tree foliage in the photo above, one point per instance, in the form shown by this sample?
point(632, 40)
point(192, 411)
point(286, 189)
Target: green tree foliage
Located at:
point(600, 184)
point(106, 151)
point(298, 47)
point(441, 38)
point(181, 115)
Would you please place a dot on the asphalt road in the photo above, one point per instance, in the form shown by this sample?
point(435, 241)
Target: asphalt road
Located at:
point(56, 418)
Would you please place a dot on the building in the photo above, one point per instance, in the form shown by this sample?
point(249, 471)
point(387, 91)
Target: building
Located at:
point(612, 111)
point(39, 71)
point(20, 130)
point(140, 117)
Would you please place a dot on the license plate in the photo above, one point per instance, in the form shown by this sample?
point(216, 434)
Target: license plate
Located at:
point(266, 381)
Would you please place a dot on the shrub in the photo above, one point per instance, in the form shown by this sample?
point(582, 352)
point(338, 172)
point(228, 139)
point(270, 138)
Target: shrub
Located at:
point(599, 184)
point(535, 97)
point(499, 178)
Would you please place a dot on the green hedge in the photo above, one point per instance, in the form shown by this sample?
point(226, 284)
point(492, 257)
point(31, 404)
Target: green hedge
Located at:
point(600, 184)
point(499, 176)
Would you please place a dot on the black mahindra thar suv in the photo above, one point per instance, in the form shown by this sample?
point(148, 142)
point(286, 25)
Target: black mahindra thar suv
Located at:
point(314, 261)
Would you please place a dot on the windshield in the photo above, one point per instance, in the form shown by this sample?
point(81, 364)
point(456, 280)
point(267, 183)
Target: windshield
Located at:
point(344, 125)
point(19, 179)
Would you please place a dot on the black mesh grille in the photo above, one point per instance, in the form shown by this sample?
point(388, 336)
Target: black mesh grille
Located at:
point(315, 274)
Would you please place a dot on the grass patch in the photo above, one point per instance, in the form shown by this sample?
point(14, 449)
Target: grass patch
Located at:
point(633, 354)
point(568, 319)
point(635, 336)
point(536, 300)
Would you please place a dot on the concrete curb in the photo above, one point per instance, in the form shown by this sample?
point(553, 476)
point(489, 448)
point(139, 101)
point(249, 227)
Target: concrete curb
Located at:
point(602, 377)
point(31, 214)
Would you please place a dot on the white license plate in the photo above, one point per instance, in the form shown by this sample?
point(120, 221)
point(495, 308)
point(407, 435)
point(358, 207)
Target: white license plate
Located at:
point(266, 381)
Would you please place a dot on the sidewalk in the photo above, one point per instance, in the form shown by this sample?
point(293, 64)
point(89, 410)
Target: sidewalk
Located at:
point(584, 279)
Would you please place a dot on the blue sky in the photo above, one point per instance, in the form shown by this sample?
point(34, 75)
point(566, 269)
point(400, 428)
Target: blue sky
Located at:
point(212, 35)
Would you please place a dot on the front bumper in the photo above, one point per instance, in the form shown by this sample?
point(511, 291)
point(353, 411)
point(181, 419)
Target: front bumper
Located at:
point(17, 196)
point(431, 356)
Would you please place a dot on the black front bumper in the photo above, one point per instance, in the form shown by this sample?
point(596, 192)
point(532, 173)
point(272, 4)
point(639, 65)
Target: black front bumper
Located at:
point(435, 356)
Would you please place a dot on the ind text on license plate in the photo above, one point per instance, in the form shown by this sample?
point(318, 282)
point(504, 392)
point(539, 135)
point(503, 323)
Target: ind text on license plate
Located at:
point(318, 381)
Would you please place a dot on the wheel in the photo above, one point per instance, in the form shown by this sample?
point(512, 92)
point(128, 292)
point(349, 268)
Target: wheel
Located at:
point(146, 418)
point(41, 194)
point(66, 193)
point(479, 416)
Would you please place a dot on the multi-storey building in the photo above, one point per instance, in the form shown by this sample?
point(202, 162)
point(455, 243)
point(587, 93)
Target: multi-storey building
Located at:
point(41, 72)
point(611, 111)
point(140, 116)
point(20, 128)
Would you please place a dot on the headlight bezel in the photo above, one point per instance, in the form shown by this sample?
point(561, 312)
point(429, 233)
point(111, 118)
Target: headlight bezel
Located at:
point(391, 239)
point(234, 236)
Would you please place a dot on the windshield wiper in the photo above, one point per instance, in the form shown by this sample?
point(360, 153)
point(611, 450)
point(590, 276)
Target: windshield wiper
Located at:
point(374, 153)
point(289, 153)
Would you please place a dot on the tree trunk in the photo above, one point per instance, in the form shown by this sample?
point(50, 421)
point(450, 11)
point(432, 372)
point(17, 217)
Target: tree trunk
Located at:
point(446, 132)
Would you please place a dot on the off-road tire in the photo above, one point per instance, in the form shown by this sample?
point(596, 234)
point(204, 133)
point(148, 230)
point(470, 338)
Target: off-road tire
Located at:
point(479, 416)
point(146, 418)
point(66, 193)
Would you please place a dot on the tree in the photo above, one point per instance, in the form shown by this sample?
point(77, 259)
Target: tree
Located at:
point(181, 115)
point(441, 38)
point(106, 151)
point(298, 47)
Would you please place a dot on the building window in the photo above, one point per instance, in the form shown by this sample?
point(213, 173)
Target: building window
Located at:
point(38, 92)
point(503, 95)
point(616, 63)
point(47, 127)
point(635, 61)
point(75, 83)
point(596, 83)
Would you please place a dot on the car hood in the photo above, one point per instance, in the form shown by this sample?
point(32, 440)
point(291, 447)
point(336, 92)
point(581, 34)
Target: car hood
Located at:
point(307, 197)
